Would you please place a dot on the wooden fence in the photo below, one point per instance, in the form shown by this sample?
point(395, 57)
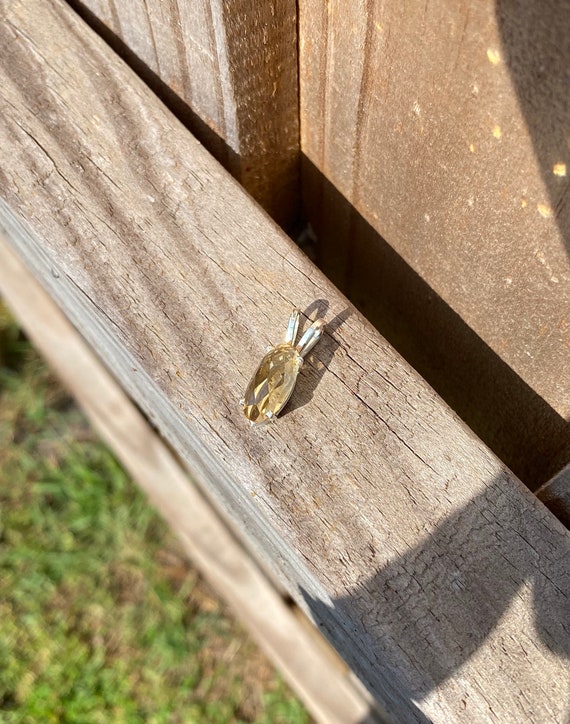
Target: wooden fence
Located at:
point(427, 148)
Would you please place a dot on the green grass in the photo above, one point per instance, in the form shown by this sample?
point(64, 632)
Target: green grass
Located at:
point(101, 619)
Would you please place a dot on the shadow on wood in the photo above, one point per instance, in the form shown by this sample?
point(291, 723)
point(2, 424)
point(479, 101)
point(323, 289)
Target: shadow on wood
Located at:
point(536, 48)
point(555, 494)
point(508, 415)
point(317, 362)
point(428, 611)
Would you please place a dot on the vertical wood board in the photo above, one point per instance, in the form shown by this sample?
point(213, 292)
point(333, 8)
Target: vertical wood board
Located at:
point(234, 64)
point(439, 131)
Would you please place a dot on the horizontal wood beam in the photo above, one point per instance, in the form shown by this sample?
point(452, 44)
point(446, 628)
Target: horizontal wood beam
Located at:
point(314, 672)
point(440, 578)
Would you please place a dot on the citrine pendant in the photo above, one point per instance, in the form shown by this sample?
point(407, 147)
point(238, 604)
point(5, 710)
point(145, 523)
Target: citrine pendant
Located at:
point(274, 380)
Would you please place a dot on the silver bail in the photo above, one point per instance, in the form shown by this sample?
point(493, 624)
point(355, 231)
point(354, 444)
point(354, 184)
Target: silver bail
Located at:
point(310, 338)
point(292, 327)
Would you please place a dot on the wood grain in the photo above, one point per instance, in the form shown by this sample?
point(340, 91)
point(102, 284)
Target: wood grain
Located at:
point(439, 131)
point(440, 578)
point(315, 672)
point(234, 64)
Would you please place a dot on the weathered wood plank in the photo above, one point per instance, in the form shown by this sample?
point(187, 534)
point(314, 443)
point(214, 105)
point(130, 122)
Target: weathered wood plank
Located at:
point(439, 131)
point(234, 64)
point(436, 573)
point(314, 671)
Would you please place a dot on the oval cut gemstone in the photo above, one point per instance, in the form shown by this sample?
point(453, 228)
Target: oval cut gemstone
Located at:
point(272, 384)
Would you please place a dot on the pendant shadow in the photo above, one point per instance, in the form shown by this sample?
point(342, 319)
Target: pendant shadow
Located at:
point(317, 361)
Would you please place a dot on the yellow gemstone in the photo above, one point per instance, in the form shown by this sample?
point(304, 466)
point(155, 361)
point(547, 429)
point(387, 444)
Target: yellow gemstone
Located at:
point(272, 384)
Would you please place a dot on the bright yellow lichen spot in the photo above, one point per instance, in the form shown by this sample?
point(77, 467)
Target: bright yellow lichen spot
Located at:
point(497, 133)
point(523, 203)
point(544, 210)
point(472, 148)
point(379, 27)
point(494, 56)
point(559, 169)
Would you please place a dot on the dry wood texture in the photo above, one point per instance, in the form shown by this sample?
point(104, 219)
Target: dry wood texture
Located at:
point(441, 579)
point(437, 147)
point(234, 64)
point(322, 681)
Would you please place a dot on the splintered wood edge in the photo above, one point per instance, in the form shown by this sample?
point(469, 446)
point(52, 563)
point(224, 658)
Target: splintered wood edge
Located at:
point(387, 520)
point(316, 675)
